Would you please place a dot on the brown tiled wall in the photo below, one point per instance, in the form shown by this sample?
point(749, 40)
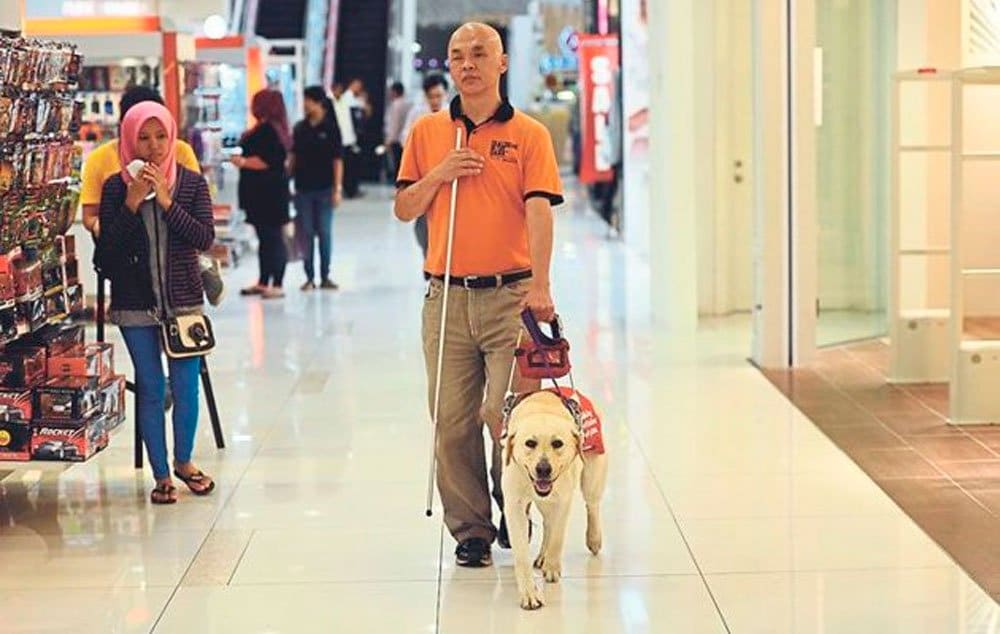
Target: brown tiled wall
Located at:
point(946, 478)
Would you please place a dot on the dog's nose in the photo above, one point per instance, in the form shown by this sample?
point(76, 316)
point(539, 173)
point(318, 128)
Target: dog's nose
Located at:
point(544, 470)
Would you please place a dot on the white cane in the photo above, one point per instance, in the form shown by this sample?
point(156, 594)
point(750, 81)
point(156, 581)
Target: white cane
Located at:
point(444, 322)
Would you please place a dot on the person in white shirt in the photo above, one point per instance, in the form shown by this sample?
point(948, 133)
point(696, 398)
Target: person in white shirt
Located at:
point(395, 117)
point(435, 97)
point(342, 102)
point(345, 102)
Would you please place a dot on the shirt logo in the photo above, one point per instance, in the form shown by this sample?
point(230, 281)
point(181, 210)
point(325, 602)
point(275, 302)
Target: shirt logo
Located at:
point(504, 151)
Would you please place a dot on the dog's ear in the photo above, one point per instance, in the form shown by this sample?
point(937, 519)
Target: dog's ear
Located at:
point(510, 448)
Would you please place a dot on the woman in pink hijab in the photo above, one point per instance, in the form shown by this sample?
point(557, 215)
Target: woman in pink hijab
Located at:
point(156, 216)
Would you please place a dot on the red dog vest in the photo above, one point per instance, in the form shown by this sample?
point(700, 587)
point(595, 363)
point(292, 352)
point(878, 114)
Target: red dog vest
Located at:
point(593, 435)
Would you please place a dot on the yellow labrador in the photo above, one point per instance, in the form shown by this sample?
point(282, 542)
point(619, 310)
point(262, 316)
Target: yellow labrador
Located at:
point(543, 463)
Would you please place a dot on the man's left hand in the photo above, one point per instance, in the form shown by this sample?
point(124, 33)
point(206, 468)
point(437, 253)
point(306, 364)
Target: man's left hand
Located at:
point(539, 300)
point(338, 197)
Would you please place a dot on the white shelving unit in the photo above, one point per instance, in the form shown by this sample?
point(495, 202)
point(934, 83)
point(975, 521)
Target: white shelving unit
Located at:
point(975, 366)
point(918, 335)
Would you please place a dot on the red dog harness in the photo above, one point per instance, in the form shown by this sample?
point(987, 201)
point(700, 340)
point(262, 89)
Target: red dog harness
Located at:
point(545, 357)
point(588, 421)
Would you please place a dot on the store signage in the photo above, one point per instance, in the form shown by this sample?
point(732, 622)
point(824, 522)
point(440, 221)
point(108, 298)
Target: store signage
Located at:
point(89, 8)
point(598, 65)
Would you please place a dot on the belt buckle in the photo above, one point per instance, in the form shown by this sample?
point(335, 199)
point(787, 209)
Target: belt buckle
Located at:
point(466, 281)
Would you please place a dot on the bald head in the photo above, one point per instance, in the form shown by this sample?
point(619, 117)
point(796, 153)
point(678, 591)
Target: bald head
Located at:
point(479, 33)
point(476, 60)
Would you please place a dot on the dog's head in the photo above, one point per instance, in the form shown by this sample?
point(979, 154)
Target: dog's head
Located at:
point(542, 439)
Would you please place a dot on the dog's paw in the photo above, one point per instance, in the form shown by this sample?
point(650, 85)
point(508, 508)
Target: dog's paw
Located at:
point(531, 598)
point(594, 541)
point(552, 571)
point(540, 561)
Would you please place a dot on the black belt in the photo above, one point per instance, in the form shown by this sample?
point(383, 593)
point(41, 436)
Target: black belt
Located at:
point(483, 281)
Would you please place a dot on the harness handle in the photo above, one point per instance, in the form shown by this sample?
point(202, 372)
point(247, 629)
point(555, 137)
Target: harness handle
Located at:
point(539, 337)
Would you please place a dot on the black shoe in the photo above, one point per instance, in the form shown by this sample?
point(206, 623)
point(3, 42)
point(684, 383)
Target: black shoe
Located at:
point(474, 553)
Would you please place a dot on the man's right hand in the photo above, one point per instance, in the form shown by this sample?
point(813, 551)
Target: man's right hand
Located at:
point(459, 163)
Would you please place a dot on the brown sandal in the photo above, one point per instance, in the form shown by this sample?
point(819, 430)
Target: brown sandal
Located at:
point(163, 493)
point(197, 478)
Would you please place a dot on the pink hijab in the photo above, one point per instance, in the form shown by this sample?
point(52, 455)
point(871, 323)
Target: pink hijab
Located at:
point(134, 119)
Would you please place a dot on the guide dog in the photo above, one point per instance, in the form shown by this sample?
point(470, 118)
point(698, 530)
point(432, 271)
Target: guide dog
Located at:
point(546, 453)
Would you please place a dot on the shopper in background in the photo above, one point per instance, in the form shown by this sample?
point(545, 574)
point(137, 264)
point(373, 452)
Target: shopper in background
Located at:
point(435, 96)
point(508, 180)
point(318, 169)
point(342, 108)
point(103, 163)
point(263, 189)
point(435, 87)
point(395, 119)
point(346, 106)
point(149, 249)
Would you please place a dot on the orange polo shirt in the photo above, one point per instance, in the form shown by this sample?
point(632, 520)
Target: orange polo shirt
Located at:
point(491, 230)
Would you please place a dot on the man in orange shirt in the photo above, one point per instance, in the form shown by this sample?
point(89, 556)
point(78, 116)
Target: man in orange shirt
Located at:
point(508, 181)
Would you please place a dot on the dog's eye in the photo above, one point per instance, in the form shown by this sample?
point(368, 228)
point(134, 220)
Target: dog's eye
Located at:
point(531, 444)
point(557, 444)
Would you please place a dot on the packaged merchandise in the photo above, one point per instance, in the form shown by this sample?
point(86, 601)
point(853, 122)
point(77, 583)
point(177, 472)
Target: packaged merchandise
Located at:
point(55, 338)
point(31, 315)
point(55, 307)
point(90, 360)
point(22, 368)
point(113, 401)
point(73, 440)
point(74, 299)
point(27, 280)
point(15, 436)
point(18, 400)
point(67, 397)
point(8, 324)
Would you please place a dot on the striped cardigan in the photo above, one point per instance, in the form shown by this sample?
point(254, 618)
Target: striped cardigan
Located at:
point(122, 252)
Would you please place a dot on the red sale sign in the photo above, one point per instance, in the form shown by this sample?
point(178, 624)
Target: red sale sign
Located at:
point(598, 64)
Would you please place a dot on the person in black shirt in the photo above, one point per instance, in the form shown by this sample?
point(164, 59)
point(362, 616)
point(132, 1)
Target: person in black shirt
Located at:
point(318, 168)
point(263, 190)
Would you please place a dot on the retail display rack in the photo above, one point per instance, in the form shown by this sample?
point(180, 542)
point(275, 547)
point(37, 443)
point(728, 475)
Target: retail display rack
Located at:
point(59, 397)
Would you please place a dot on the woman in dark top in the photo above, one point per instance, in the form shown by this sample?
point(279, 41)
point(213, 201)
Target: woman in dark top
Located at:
point(153, 225)
point(263, 191)
point(318, 169)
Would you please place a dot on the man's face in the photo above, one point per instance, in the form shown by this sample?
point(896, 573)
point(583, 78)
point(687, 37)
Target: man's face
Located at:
point(312, 108)
point(357, 87)
point(476, 60)
point(436, 97)
point(338, 91)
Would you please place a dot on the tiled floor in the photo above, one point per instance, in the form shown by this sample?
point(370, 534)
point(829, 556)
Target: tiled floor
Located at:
point(727, 510)
point(946, 478)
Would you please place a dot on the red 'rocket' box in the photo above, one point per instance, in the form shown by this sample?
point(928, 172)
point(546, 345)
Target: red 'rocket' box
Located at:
point(20, 400)
point(68, 440)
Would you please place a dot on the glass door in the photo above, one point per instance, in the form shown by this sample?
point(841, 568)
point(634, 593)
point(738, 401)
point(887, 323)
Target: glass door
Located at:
point(855, 58)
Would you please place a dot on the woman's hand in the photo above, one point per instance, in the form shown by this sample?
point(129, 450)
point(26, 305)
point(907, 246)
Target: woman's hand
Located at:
point(157, 183)
point(238, 161)
point(136, 192)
